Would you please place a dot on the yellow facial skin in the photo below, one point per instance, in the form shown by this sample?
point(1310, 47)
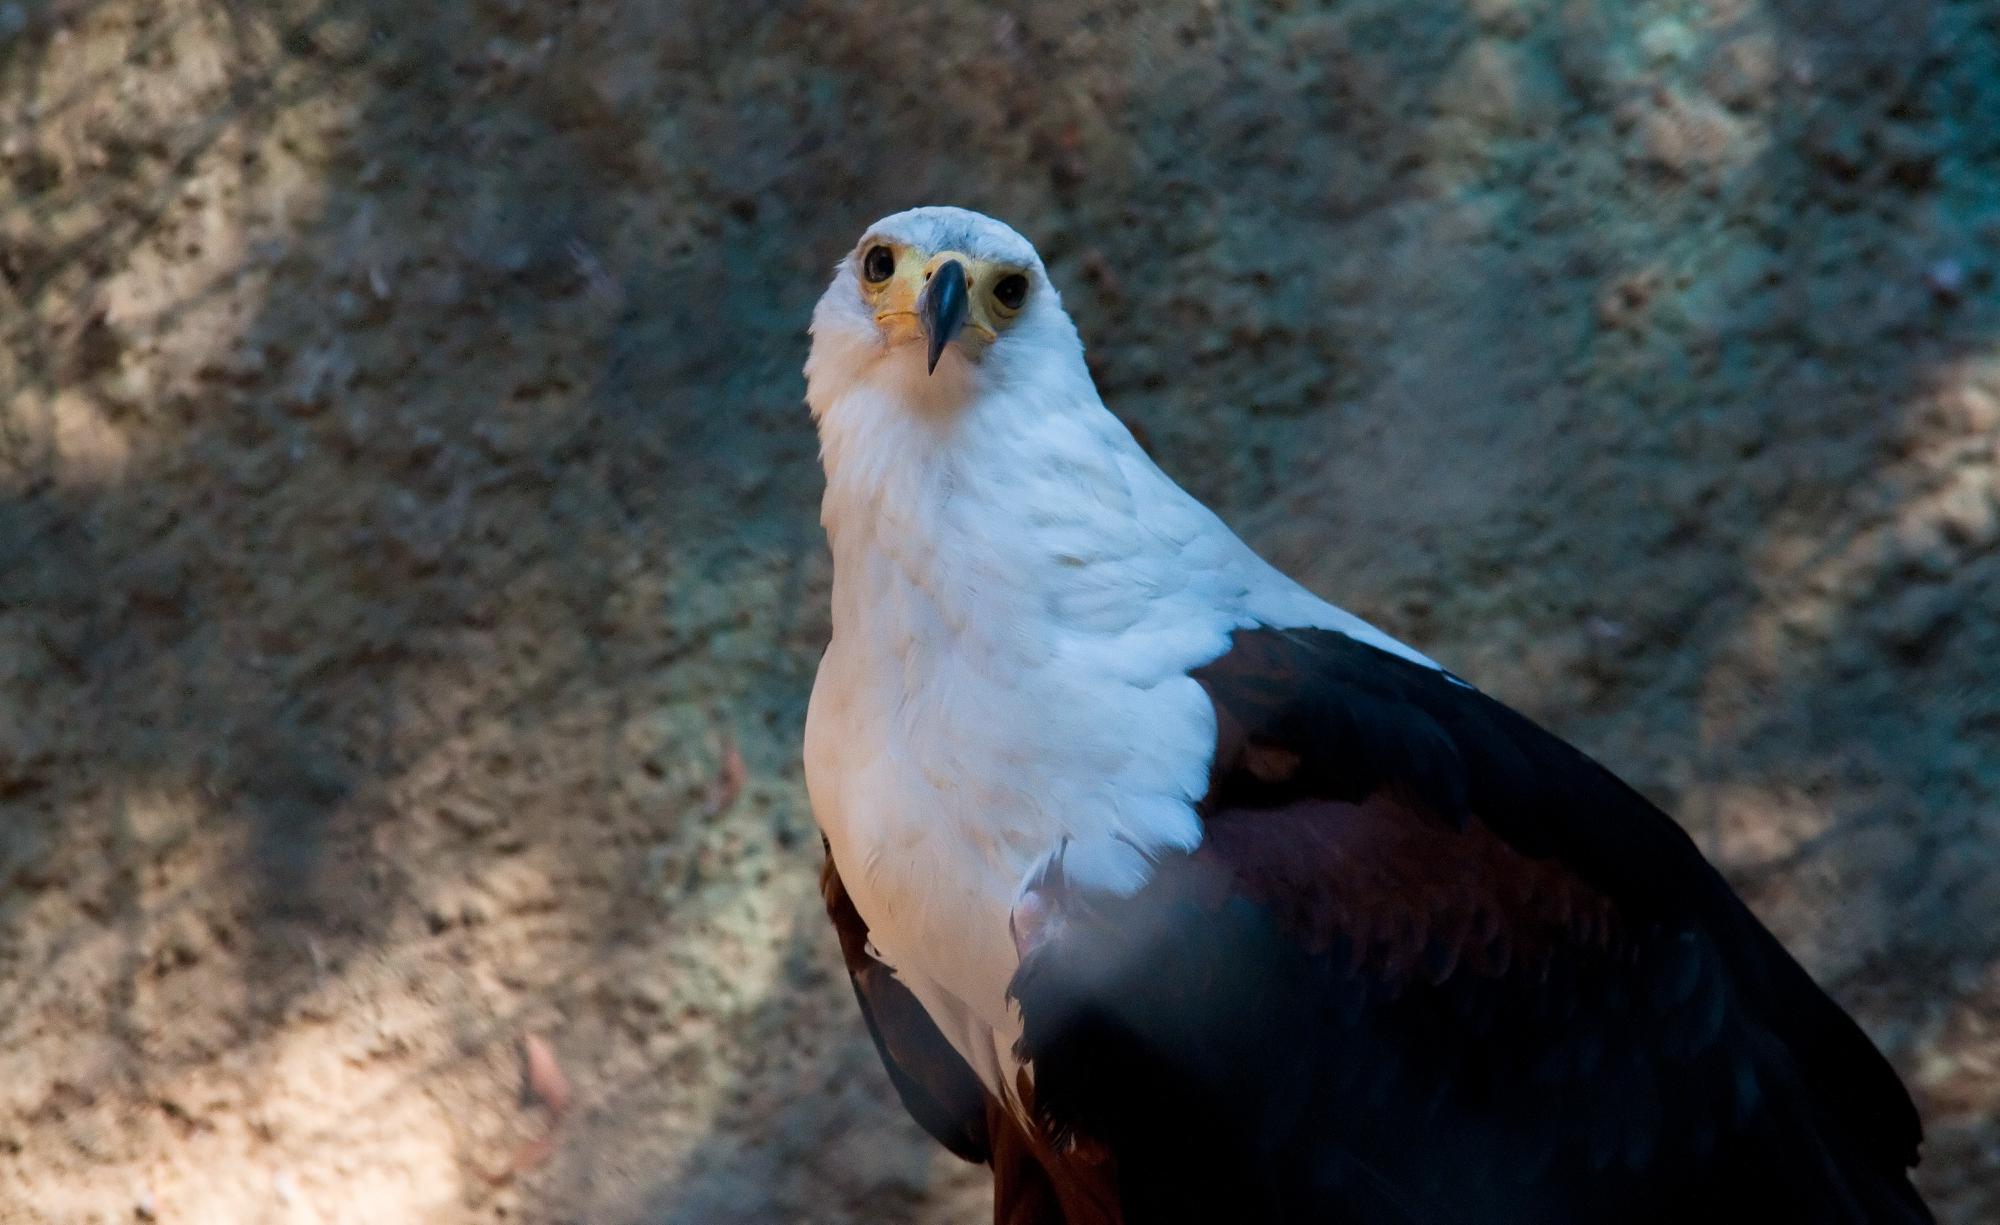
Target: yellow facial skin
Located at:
point(895, 300)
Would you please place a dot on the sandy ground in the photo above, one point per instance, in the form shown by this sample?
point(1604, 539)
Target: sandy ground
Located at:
point(409, 581)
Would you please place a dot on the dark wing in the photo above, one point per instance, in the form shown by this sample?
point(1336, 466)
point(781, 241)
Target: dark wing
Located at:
point(937, 1087)
point(1032, 1184)
point(1432, 964)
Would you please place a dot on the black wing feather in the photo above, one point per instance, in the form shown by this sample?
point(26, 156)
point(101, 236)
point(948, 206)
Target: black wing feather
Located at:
point(937, 1087)
point(1432, 964)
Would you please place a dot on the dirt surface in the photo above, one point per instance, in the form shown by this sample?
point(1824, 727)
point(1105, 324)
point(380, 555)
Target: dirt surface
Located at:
point(410, 584)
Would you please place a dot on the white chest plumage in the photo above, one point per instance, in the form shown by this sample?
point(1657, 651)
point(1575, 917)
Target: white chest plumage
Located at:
point(986, 696)
point(1008, 673)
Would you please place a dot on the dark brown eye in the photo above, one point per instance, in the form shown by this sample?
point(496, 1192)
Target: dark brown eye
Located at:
point(1011, 290)
point(878, 265)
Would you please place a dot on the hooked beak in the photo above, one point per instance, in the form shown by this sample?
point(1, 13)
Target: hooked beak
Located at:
point(944, 308)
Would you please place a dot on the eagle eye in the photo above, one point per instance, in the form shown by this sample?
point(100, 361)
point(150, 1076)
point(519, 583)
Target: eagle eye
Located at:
point(1011, 290)
point(879, 264)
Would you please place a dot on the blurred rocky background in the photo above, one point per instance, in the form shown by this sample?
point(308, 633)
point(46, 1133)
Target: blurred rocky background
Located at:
point(410, 583)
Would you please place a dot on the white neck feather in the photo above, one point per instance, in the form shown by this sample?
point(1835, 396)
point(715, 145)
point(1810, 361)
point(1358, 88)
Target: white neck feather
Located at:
point(967, 515)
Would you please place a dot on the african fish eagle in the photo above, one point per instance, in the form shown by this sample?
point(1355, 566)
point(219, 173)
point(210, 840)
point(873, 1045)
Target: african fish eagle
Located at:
point(1178, 894)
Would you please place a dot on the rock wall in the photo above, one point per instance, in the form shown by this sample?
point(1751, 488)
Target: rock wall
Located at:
point(409, 581)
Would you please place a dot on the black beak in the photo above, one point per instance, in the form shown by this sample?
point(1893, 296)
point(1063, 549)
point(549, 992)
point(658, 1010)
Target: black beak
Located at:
point(943, 310)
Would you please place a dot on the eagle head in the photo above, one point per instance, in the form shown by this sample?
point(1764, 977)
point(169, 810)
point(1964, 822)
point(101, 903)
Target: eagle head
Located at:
point(939, 296)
